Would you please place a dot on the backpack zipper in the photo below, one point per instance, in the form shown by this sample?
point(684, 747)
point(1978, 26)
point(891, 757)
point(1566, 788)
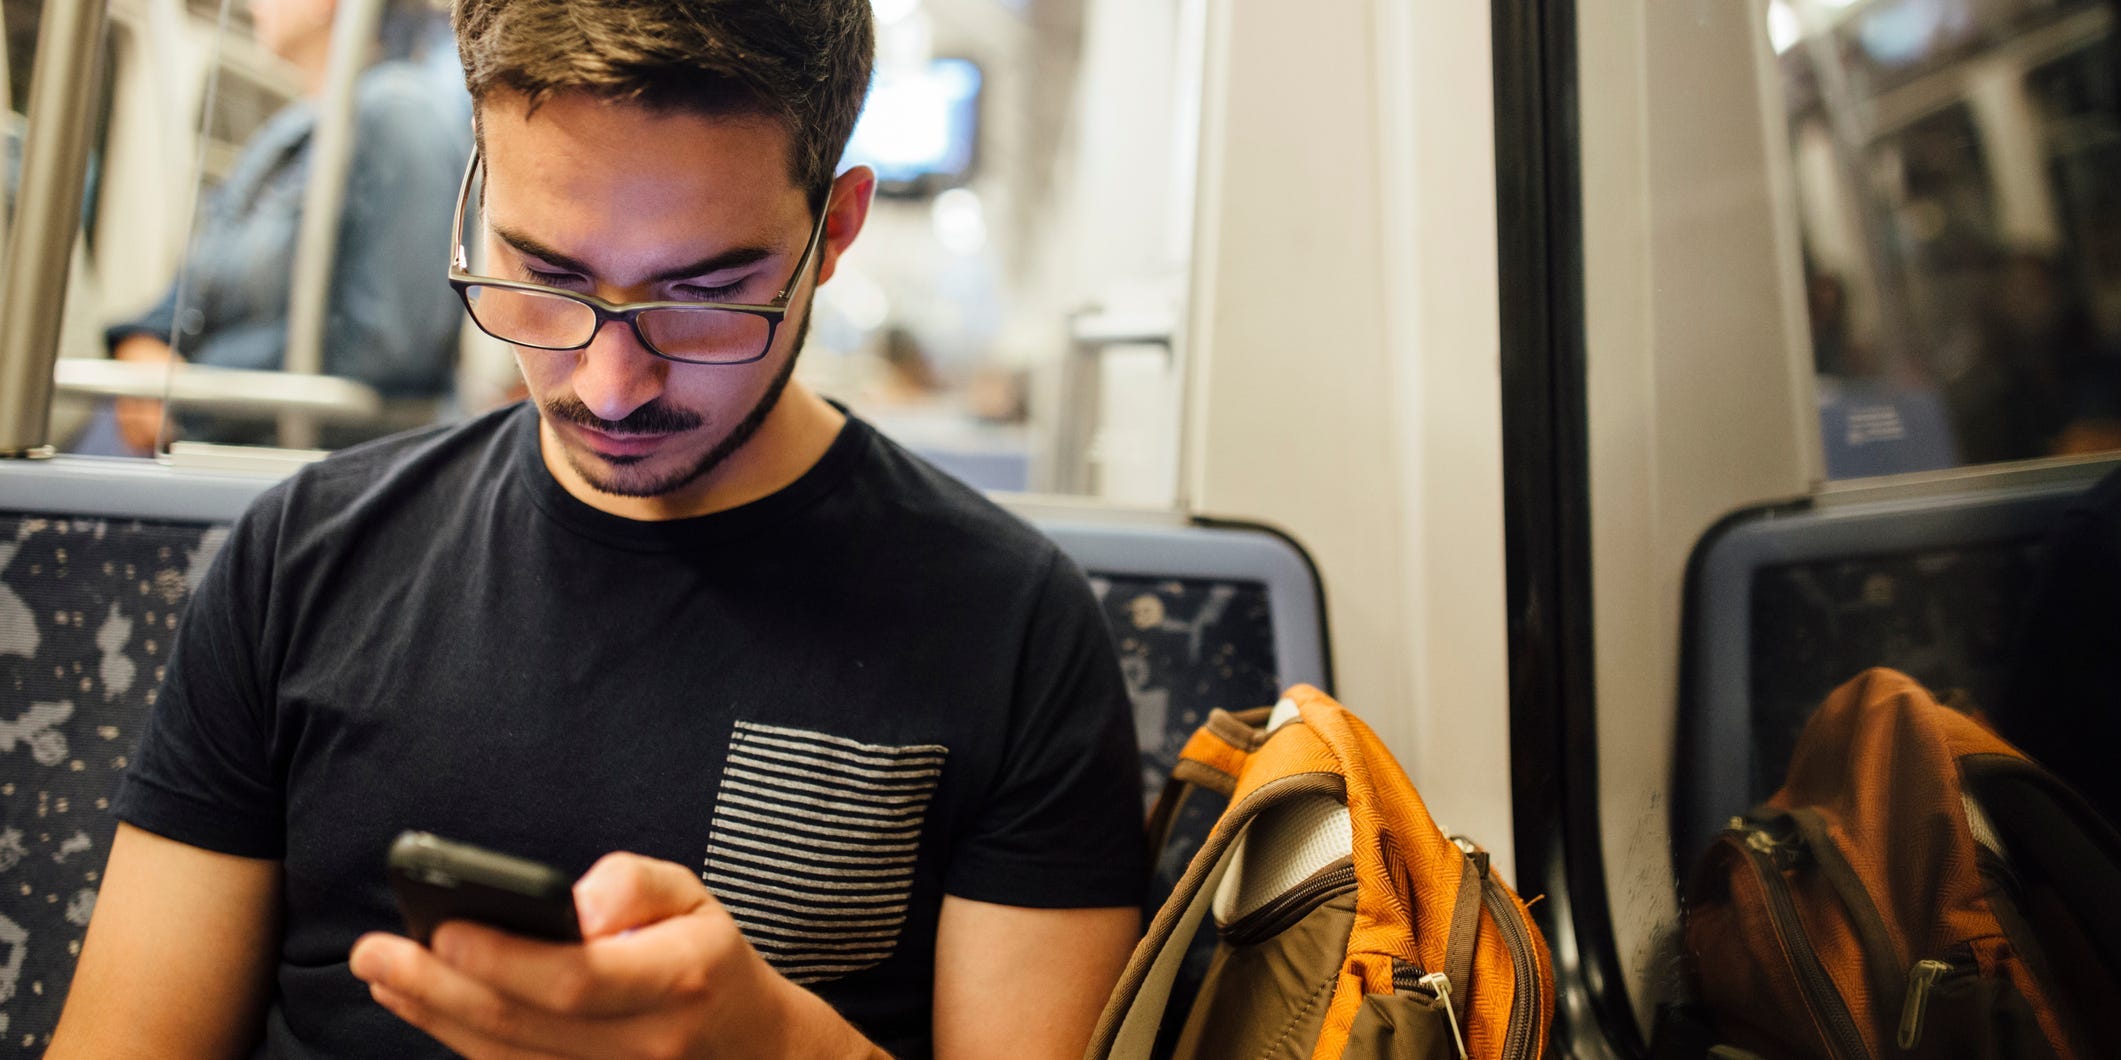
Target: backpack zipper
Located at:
point(1843, 1036)
point(1439, 984)
point(1285, 909)
point(1921, 979)
point(1524, 968)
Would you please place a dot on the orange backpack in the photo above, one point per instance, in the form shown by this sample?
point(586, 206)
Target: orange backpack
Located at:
point(1918, 887)
point(1350, 925)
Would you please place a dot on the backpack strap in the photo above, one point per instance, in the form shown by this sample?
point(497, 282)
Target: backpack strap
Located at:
point(1211, 759)
point(1885, 961)
point(1134, 1012)
point(1217, 751)
point(1465, 924)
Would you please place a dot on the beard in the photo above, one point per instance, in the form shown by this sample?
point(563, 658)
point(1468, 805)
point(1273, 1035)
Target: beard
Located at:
point(624, 477)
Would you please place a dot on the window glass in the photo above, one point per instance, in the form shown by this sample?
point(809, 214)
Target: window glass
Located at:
point(1889, 222)
point(1009, 310)
point(1955, 164)
point(189, 282)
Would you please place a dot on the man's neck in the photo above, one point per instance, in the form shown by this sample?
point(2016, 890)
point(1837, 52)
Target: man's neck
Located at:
point(793, 438)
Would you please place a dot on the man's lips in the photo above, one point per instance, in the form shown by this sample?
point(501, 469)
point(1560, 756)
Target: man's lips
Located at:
point(618, 445)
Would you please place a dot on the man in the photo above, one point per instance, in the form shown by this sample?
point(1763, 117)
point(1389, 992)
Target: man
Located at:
point(861, 733)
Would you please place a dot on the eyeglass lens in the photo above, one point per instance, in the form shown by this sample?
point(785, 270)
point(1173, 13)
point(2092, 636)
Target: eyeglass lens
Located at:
point(552, 321)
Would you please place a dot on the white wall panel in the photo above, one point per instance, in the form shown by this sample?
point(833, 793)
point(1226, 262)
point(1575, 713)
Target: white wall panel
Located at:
point(1344, 345)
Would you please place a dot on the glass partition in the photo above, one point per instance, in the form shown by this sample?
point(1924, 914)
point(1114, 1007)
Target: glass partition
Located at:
point(216, 114)
point(1011, 310)
point(1955, 164)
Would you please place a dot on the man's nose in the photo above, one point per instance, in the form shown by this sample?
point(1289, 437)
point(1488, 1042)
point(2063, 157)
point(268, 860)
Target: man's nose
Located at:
point(615, 374)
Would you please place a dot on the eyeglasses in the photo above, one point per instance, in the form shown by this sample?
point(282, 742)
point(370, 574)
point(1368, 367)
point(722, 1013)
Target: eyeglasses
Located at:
point(545, 318)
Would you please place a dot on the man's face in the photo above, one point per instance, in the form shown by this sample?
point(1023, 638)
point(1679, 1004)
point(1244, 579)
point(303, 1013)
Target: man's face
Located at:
point(631, 205)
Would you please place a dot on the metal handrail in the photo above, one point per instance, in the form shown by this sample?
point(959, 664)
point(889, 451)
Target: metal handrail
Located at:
point(226, 390)
point(47, 217)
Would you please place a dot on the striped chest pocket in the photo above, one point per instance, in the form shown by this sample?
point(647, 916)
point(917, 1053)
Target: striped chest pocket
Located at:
point(813, 843)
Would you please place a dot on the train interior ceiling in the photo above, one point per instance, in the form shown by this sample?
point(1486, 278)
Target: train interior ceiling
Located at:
point(1632, 373)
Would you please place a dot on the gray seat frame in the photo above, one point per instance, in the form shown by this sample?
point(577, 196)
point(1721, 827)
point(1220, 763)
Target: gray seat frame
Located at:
point(1138, 544)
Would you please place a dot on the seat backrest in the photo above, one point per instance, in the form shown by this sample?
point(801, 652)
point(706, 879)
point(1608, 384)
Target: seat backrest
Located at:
point(1784, 603)
point(1204, 617)
point(98, 558)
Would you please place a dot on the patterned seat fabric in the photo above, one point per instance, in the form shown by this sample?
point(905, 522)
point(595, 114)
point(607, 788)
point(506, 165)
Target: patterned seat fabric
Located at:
point(87, 611)
point(1187, 647)
point(88, 608)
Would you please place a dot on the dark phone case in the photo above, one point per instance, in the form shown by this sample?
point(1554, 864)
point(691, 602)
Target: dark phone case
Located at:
point(437, 880)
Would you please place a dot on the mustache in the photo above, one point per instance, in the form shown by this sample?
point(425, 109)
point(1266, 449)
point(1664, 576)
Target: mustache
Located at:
point(652, 418)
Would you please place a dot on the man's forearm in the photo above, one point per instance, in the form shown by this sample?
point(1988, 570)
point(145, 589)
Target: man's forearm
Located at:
point(815, 1029)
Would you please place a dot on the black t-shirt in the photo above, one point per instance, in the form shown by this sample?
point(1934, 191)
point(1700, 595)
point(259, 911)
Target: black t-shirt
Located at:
point(839, 703)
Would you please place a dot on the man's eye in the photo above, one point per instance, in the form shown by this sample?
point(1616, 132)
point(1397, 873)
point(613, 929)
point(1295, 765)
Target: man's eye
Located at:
point(552, 279)
point(696, 293)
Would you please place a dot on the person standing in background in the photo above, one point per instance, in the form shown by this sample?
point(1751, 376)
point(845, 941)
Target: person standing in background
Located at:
point(388, 324)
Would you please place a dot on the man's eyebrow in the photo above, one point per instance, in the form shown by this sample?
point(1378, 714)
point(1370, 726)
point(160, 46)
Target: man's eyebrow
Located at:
point(733, 258)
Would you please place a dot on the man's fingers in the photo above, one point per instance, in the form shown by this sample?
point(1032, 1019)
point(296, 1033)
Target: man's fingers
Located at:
point(622, 892)
point(461, 1012)
point(623, 975)
point(457, 1037)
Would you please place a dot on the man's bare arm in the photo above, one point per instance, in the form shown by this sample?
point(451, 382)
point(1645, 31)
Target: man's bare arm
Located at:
point(1027, 984)
point(179, 956)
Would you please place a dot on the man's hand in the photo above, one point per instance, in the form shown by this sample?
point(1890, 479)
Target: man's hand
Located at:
point(140, 419)
point(663, 972)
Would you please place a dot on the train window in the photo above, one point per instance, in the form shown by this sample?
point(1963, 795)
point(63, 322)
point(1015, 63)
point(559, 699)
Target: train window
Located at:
point(1010, 311)
point(200, 307)
point(1838, 260)
point(1954, 165)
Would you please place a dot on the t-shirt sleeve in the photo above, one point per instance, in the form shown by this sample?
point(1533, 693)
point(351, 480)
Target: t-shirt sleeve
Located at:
point(1063, 827)
point(203, 773)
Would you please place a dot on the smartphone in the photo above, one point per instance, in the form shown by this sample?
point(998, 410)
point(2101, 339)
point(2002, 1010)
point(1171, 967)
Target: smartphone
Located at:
point(436, 879)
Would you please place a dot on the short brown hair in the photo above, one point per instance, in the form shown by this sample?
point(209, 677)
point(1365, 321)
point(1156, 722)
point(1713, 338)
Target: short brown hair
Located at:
point(803, 63)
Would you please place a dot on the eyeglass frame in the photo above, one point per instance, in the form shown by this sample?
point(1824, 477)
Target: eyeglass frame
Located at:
point(462, 279)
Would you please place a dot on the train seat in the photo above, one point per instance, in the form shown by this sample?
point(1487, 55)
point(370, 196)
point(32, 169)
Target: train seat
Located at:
point(98, 557)
point(1784, 603)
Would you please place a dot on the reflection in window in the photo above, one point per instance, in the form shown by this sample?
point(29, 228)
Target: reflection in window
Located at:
point(1959, 191)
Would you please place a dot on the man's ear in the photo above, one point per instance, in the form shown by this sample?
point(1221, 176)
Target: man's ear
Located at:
point(847, 209)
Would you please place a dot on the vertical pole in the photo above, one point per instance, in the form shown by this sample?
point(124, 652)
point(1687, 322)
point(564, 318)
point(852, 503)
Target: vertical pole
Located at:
point(353, 36)
point(33, 273)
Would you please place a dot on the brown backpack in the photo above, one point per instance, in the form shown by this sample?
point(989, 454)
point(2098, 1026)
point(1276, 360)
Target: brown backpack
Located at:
point(1918, 887)
point(1350, 925)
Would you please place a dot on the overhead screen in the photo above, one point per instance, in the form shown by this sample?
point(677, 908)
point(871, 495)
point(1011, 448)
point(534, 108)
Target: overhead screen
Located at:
point(920, 127)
